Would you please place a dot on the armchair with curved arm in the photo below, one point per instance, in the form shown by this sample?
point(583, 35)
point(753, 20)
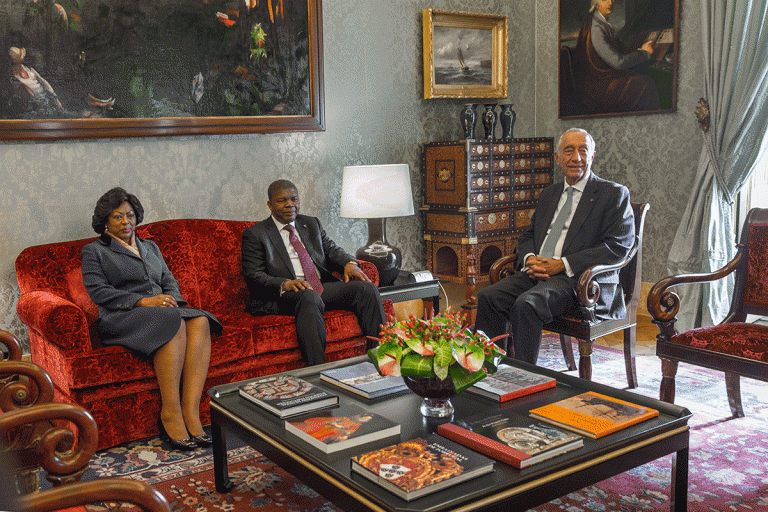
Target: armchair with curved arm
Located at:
point(734, 346)
point(10, 347)
point(583, 324)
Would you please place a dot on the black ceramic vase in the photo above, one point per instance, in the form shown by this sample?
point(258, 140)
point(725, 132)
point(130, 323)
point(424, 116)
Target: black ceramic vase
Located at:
point(507, 118)
point(489, 121)
point(468, 120)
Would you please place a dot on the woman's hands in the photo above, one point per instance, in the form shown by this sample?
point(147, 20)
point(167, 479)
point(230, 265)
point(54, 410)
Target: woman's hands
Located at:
point(162, 301)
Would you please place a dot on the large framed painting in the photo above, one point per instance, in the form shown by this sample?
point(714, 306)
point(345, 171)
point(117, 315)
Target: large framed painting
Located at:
point(618, 57)
point(465, 55)
point(123, 68)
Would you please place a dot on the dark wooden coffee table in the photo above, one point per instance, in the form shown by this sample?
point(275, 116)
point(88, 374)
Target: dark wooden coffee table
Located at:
point(507, 488)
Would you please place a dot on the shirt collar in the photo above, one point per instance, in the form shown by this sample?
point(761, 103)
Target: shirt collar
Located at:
point(582, 183)
point(280, 225)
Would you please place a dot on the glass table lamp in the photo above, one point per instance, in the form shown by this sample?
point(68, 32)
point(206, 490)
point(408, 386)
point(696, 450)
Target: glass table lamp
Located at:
point(376, 192)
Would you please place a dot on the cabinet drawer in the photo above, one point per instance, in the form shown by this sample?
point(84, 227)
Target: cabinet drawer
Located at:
point(542, 162)
point(480, 165)
point(523, 216)
point(542, 178)
point(491, 221)
point(523, 179)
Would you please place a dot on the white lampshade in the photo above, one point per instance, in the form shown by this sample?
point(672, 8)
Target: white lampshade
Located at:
point(376, 191)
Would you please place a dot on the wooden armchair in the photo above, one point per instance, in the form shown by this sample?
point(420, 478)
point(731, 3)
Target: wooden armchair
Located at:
point(734, 347)
point(583, 325)
point(120, 490)
point(38, 433)
point(10, 347)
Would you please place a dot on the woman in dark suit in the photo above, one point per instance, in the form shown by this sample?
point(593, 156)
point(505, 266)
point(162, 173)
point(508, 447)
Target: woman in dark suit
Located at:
point(140, 307)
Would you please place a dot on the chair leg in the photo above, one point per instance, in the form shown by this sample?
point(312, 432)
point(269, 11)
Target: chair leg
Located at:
point(567, 346)
point(630, 351)
point(585, 359)
point(668, 373)
point(733, 388)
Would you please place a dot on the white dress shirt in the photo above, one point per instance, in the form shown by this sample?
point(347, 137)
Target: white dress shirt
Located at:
point(578, 190)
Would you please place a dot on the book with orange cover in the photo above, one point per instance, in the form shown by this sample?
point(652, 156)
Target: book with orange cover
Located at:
point(593, 414)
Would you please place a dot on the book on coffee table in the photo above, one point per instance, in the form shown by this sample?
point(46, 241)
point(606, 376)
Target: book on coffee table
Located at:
point(508, 383)
point(511, 437)
point(593, 414)
point(286, 395)
point(417, 467)
point(341, 428)
point(363, 379)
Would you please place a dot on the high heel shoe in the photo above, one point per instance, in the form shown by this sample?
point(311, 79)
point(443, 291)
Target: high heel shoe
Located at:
point(203, 440)
point(183, 445)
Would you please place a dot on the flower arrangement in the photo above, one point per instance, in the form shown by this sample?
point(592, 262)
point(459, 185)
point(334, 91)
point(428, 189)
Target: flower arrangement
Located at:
point(438, 346)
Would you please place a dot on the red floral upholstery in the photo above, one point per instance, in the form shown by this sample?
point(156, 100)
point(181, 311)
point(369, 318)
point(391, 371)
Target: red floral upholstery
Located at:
point(117, 386)
point(737, 339)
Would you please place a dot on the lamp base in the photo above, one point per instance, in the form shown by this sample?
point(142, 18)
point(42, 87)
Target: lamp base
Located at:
point(385, 257)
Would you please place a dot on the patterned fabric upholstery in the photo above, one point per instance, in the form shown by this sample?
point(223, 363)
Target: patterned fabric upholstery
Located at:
point(736, 339)
point(119, 387)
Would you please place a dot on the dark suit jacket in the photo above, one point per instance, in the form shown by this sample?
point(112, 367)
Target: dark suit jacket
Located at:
point(266, 264)
point(602, 232)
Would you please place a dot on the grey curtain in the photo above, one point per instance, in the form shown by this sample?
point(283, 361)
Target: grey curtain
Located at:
point(735, 44)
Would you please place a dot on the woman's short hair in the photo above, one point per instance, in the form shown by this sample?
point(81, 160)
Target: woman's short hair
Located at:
point(109, 202)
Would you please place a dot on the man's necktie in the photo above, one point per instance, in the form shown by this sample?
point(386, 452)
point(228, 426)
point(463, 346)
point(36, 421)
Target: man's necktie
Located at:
point(548, 248)
point(310, 271)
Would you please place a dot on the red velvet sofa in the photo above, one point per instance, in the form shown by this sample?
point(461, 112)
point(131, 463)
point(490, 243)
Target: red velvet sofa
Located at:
point(119, 387)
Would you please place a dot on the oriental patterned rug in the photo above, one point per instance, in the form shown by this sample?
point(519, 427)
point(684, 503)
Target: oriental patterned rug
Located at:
point(728, 457)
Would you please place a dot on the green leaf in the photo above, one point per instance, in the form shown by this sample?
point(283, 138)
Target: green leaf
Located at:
point(463, 379)
point(414, 365)
point(443, 354)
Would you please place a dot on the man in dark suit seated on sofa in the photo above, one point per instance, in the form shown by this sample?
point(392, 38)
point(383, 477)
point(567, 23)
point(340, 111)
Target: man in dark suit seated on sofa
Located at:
point(288, 261)
point(596, 227)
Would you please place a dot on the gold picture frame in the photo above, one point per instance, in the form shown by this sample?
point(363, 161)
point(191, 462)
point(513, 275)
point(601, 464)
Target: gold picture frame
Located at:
point(465, 54)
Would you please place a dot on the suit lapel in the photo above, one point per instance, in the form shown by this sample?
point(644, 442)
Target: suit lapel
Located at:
point(585, 206)
point(277, 241)
point(306, 239)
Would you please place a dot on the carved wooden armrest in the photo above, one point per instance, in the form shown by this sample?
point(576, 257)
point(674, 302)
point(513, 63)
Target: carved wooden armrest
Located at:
point(588, 289)
point(502, 267)
point(10, 346)
point(35, 441)
point(123, 490)
point(23, 384)
point(664, 304)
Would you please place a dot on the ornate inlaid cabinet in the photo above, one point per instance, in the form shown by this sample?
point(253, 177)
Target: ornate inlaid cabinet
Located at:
point(478, 196)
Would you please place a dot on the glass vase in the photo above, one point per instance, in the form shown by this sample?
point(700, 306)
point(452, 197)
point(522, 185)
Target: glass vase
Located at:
point(436, 393)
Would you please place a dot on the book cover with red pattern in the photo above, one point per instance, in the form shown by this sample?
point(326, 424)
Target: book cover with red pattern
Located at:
point(419, 466)
point(345, 427)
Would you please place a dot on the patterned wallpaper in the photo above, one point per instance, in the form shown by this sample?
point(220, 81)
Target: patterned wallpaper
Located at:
point(374, 114)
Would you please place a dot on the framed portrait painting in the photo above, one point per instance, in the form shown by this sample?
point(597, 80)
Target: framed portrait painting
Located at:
point(115, 68)
point(465, 55)
point(618, 57)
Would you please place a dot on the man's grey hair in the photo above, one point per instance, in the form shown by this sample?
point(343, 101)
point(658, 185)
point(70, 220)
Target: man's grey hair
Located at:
point(590, 139)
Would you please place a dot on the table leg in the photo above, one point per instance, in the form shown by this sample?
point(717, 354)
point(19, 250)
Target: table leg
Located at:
point(220, 469)
point(678, 497)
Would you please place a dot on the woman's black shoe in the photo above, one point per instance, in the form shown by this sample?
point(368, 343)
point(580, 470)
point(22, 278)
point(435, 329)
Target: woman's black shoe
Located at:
point(203, 440)
point(183, 445)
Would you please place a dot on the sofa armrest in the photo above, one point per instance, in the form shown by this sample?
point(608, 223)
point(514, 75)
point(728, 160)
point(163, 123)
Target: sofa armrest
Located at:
point(121, 490)
point(56, 319)
point(370, 270)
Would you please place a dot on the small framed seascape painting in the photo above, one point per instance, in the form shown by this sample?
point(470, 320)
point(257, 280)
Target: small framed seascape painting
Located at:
point(115, 68)
point(465, 55)
point(618, 57)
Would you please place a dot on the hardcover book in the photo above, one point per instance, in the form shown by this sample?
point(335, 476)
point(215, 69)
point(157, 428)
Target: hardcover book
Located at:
point(593, 414)
point(421, 466)
point(508, 383)
point(285, 395)
point(363, 379)
point(341, 428)
point(511, 437)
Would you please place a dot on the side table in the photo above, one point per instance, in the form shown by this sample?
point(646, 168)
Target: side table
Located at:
point(403, 290)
